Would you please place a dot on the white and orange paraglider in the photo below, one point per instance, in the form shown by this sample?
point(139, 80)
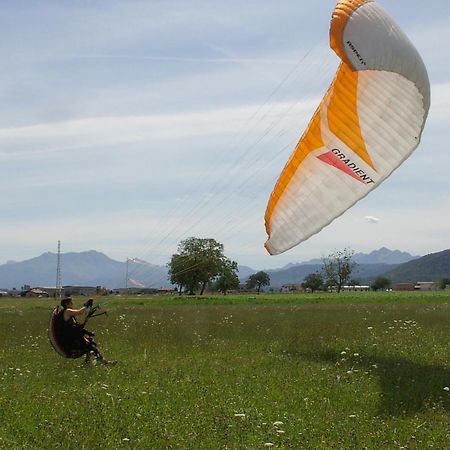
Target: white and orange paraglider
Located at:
point(369, 121)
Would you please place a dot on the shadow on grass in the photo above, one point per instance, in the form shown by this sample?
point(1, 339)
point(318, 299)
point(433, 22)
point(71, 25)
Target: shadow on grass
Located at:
point(406, 387)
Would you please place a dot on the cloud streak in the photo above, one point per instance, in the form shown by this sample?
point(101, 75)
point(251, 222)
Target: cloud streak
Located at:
point(183, 59)
point(101, 131)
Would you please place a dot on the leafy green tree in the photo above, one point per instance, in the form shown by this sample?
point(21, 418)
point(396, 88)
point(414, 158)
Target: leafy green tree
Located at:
point(227, 279)
point(380, 283)
point(197, 263)
point(180, 272)
point(443, 283)
point(313, 281)
point(338, 267)
point(258, 280)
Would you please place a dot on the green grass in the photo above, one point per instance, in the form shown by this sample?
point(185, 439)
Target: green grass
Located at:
point(365, 370)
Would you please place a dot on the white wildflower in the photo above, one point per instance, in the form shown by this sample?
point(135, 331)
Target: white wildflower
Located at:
point(239, 415)
point(277, 424)
point(446, 388)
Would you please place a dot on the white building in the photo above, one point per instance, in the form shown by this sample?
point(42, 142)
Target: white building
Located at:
point(426, 286)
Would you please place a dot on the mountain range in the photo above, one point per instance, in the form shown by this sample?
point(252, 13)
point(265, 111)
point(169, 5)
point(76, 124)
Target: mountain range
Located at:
point(90, 268)
point(93, 268)
point(380, 256)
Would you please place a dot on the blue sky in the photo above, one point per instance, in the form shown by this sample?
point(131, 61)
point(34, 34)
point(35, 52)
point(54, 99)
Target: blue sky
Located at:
point(127, 126)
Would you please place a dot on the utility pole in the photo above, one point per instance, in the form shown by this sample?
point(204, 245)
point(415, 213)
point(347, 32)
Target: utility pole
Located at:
point(126, 276)
point(58, 273)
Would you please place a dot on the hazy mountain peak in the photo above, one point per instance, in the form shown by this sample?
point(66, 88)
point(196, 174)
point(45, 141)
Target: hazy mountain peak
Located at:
point(381, 256)
point(385, 256)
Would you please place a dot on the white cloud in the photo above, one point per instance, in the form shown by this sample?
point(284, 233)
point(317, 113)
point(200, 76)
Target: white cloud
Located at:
point(371, 219)
point(100, 131)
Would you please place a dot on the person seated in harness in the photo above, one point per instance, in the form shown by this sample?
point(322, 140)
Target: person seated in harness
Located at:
point(73, 337)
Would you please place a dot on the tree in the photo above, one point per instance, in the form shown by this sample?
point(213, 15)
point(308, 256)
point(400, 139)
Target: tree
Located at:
point(228, 278)
point(179, 272)
point(197, 263)
point(443, 283)
point(337, 268)
point(381, 283)
point(313, 281)
point(258, 280)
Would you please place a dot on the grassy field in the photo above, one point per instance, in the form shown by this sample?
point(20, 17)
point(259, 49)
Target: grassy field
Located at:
point(325, 371)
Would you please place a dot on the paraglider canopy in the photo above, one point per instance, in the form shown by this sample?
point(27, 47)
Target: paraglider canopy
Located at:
point(369, 121)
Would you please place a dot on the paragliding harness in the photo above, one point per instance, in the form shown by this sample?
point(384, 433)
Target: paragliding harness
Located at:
point(69, 338)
